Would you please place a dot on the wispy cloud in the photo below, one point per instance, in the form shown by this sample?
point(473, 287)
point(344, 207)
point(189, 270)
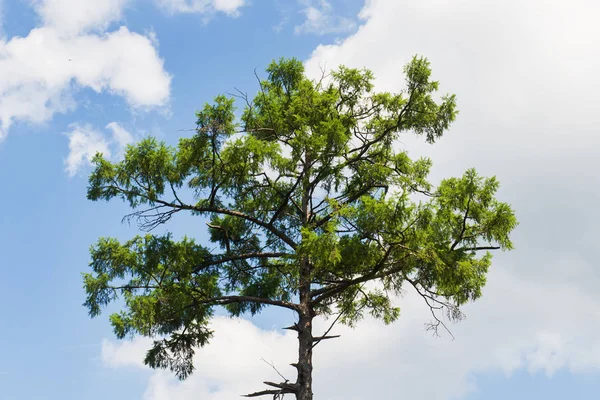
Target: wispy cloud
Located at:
point(207, 7)
point(320, 19)
point(85, 142)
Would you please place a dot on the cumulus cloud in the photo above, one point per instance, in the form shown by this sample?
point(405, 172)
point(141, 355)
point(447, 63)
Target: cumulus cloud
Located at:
point(85, 142)
point(226, 368)
point(228, 7)
point(72, 50)
point(320, 19)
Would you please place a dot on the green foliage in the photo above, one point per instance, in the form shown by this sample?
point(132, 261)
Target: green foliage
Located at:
point(310, 206)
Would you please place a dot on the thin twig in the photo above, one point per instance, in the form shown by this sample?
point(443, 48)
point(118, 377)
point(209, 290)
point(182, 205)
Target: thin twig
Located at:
point(276, 370)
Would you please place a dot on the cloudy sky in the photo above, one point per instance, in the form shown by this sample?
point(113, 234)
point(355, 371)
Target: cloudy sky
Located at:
point(78, 77)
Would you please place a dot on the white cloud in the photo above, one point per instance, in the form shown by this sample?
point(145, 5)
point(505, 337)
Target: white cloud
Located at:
point(231, 363)
point(41, 71)
point(120, 136)
point(76, 16)
point(72, 48)
point(228, 7)
point(125, 353)
point(320, 19)
point(85, 142)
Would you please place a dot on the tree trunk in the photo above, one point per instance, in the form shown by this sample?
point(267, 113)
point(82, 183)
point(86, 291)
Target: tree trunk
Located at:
point(304, 366)
point(305, 337)
point(306, 313)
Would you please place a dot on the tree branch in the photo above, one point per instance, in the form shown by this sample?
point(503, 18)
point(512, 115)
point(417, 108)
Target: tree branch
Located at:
point(276, 393)
point(453, 311)
point(479, 248)
point(245, 256)
point(209, 209)
point(292, 328)
point(282, 388)
point(328, 291)
point(286, 199)
point(224, 300)
point(349, 200)
point(238, 214)
point(464, 225)
point(319, 338)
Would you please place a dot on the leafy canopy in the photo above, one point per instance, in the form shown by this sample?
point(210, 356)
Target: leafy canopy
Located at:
point(309, 176)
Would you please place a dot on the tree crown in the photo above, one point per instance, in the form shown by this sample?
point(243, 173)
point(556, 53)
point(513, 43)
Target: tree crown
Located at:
point(310, 205)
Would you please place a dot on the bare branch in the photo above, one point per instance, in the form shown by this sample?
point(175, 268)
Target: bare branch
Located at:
point(324, 336)
point(245, 256)
point(319, 338)
point(452, 310)
point(163, 217)
point(292, 328)
point(276, 370)
point(282, 389)
point(150, 218)
point(238, 214)
point(479, 248)
point(276, 393)
point(224, 300)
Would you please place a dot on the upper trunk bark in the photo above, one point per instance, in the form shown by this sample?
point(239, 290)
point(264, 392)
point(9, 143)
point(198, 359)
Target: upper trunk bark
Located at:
point(305, 367)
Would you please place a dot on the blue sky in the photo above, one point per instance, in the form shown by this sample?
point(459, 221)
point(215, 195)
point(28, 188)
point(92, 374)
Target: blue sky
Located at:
point(76, 77)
